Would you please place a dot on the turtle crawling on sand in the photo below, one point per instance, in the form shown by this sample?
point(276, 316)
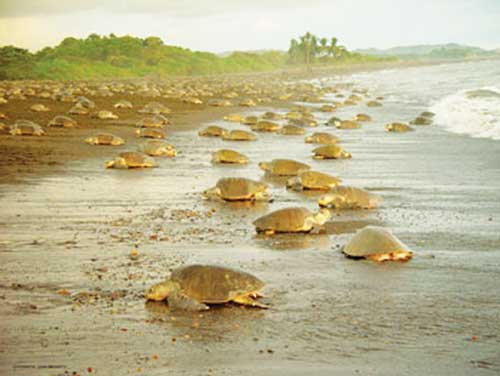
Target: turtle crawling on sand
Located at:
point(195, 287)
point(105, 139)
point(421, 120)
point(38, 107)
point(377, 244)
point(234, 118)
point(323, 138)
point(150, 133)
point(362, 117)
point(292, 130)
point(265, 126)
point(398, 127)
point(155, 148)
point(229, 156)
point(212, 131)
point(312, 180)
point(131, 159)
point(284, 167)
point(26, 128)
point(331, 152)
point(347, 124)
point(238, 189)
point(292, 220)
point(104, 115)
point(153, 121)
point(238, 135)
point(347, 197)
point(123, 104)
point(62, 122)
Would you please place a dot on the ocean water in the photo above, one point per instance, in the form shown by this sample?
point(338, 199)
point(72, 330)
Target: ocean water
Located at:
point(465, 97)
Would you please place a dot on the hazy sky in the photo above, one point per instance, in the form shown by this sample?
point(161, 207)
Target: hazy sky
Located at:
point(224, 25)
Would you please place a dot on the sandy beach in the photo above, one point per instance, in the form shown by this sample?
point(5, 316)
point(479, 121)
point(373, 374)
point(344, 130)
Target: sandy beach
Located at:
point(73, 298)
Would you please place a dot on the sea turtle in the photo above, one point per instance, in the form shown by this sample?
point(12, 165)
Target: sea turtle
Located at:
point(212, 131)
point(265, 126)
point(238, 189)
point(362, 117)
point(427, 114)
point(272, 116)
point(328, 108)
point(398, 127)
point(85, 102)
point(377, 244)
point(250, 120)
point(284, 167)
point(123, 104)
point(105, 139)
point(229, 156)
point(153, 121)
point(234, 118)
point(373, 104)
point(104, 115)
point(238, 135)
point(347, 197)
point(294, 219)
point(219, 103)
point(155, 108)
point(61, 121)
point(26, 128)
point(78, 109)
point(330, 152)
point(421, 120)
point(150, 133)
point(304, 122)
point(292, 130)
point(333, 121)
point(195, 287)
point(347, 124)
point(323, 138)
point(192, 100)
point(155, 148)
point(37, 107)
point(131, 159)
point(312, 180)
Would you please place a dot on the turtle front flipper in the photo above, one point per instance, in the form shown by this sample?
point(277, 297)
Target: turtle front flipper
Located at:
point(179, 301)
point(248, 301)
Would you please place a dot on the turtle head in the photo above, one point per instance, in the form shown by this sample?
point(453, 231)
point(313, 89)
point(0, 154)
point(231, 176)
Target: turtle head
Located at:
point(161, 291)
point(389, 127)
point(346, 155)
point(322, 216)
point(309, 139)
point(263, 195)
point(211, 193)
point(264, 166)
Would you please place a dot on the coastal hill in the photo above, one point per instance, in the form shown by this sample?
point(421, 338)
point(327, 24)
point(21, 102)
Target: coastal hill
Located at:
point(432, 51)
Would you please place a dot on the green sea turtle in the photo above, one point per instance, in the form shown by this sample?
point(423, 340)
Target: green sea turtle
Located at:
point(238, 189)
point(238, 135)
point(265, 126)
point(398, 127)
point(347, 197)
point(61, 121)
point(131, 159)
point(123, 104)
point(229, 156)
point(290, 220)
point(196, 287)
point(284, 167)
point(104, 115)
point(421, 120)
point(105, 139)
point(150, 133)
point(333, 151)
point(292, 130)
point(347, 124)
point(155, 148)
point(212, 131)
point(323, 138)
point(312, 180)
point(26, 128)
point(377, 244)
point(37, 107)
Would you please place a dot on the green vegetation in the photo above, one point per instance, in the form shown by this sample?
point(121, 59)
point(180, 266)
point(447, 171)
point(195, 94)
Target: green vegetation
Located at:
point(97, 57)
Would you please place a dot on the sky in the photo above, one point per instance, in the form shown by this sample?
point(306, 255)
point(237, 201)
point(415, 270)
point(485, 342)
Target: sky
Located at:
point(228, 25)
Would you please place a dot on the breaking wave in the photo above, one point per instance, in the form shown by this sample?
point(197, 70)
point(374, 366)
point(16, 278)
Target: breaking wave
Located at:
point(470, 112)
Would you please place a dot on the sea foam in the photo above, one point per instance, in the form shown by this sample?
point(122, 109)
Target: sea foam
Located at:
point(475, 113)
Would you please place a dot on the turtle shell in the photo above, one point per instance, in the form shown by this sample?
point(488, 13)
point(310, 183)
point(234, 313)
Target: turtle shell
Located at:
point(105, 138)
point(373, 240)
point(62, 122)
point(214, 284)
point(292, 130)
point(229, 156)
point(158, 148)
point(347, 197)
point(239, 135)
point(135, 159)
point(265, 126)
point(330, 152)
point(322, 138)
point(235, 189)
point(150, 133)
point(318, 180)
point(347, 124)
point(212, 131)
point(287, 167)
point(284, 220)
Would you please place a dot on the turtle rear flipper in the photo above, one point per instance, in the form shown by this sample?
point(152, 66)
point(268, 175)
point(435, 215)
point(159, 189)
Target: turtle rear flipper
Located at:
point(249, 301)
point(179, 301)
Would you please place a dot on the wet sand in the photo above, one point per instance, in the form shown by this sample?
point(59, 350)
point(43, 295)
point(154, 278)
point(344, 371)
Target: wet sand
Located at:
point(70, 229)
